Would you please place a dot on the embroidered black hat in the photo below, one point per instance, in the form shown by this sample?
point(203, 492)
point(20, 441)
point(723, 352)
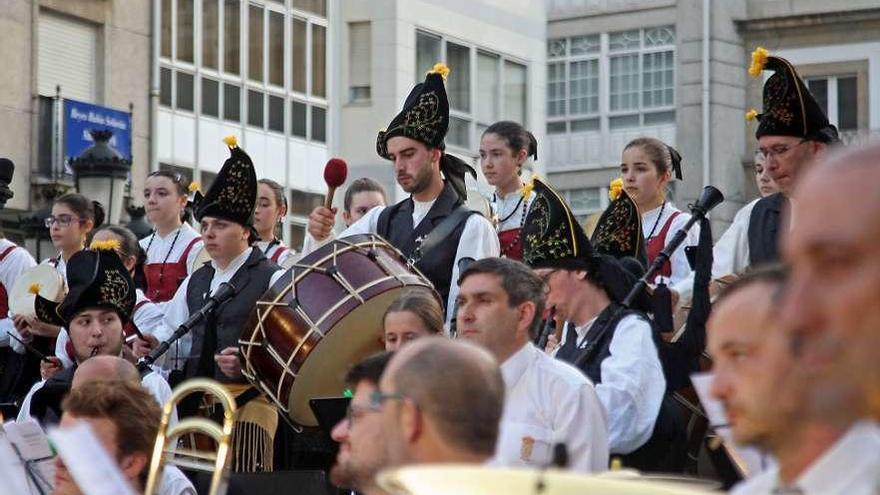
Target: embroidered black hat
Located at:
point(790, 109)
point(551, 236)
point(96, 278)
point(425, 118)
point(618, 232)
point(233, 195)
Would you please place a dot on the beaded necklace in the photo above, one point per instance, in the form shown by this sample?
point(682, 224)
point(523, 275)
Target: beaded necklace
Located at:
point(167, 255)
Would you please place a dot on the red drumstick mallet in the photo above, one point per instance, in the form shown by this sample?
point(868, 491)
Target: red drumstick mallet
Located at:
point(334, 175)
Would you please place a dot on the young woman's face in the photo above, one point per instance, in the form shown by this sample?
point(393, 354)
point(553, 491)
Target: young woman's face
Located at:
point(499, 163)
point(641, 180)
point(267, 213)
point(68, 230)
point(162, 201)
point(402, 327)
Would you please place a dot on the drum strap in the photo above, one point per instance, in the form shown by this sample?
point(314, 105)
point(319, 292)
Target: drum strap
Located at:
point(441, 232)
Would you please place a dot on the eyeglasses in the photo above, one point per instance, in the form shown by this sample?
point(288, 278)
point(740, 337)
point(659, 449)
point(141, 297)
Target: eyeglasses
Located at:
point(61, 220)
point(374, 405)
point(779, 149)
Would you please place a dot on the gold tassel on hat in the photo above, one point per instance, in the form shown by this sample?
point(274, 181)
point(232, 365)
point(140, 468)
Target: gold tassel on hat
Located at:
point(34, 289)
point(759, 58)
point(751, 114)
point(439, 68)
point(231, 141)
point(194, 186)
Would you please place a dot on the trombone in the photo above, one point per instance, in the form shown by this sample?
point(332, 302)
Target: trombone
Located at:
point(165, 449)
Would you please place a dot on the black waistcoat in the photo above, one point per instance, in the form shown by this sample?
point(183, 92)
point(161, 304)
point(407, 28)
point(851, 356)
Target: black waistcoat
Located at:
point(765, 222)
point(224, 329)
point(665, 449)
point(395, 225)
point(46, 402)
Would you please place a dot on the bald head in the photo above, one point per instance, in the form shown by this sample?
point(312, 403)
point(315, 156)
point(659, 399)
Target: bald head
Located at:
point(457, 385)
point(831, 305)
point(105, 369)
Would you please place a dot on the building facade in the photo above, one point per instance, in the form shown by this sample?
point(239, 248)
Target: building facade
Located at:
point(676, 70)
point(55, 50)
point(494, 49)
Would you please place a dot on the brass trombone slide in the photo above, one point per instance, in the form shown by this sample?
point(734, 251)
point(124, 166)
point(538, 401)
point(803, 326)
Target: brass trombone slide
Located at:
point(166, 450)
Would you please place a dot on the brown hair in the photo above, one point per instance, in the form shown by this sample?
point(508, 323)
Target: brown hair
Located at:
point(133, 411)
point(277, 190)
point(363, 184)
point(83, 207)
point(516, 136)
point(181, 183)
point(664, 157)
point(422, 304)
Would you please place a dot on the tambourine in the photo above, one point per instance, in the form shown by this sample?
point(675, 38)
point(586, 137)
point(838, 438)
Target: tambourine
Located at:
point(42, 279)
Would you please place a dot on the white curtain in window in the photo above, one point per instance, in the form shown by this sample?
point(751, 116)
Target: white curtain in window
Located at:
point(360, 54)
point(487, 87)
point(515, 92)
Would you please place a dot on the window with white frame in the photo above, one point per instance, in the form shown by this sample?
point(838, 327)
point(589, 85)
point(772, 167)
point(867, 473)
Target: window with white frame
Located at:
point(584, 201)
point(483, 86)
point(253, 62)
point(838, 97)
point(359, 61)
point(622, 79)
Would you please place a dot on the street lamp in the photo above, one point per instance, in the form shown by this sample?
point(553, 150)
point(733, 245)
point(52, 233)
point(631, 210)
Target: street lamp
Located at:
point(100, 173)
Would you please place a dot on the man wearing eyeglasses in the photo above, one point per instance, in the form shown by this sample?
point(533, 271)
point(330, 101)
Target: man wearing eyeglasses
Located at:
point(441, 402)
point(360, 435)
point(793, 133)
point(547, 401)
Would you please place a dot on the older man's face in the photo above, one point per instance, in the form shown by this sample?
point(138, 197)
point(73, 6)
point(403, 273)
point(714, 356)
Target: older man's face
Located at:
point(832, 303)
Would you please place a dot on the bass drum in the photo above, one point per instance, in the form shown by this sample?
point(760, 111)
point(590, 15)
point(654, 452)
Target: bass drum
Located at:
point(321, 317)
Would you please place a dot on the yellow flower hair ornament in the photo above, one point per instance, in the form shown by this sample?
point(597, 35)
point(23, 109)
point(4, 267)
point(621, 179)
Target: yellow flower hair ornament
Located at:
point(439, 68)
point(108, 245)
point(526, 189)
point(615, 188)
point(759, 58)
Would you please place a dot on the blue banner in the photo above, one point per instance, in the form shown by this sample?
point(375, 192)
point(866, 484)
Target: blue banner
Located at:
point(80, 118)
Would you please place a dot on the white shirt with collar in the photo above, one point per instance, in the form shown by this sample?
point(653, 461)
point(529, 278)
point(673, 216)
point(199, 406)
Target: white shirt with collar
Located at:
point(169, 249)
point(478, 240)
point(16, 262)
point(546, 402)
point(633, 384)
point(653, 220)
point(177, 311)
point(730, 255)
point(850, 467)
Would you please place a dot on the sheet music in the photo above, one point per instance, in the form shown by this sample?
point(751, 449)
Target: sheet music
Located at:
point(30, 439)
point(12, 470)
point(91, 466)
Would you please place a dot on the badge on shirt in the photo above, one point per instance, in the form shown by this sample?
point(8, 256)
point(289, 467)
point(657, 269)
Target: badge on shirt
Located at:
point(525, 449)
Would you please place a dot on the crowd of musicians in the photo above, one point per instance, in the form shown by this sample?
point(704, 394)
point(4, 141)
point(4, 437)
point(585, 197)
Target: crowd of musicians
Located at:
point(526, 348)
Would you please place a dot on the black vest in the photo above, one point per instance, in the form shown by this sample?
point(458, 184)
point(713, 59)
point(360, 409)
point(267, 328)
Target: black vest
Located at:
point(765, 222)
point(46, 402)
point(665, 449)
point(395, 225)
point(224, 328)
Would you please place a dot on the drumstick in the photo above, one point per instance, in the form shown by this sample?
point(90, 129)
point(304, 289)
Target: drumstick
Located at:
point(30, 348)
point(335, 173)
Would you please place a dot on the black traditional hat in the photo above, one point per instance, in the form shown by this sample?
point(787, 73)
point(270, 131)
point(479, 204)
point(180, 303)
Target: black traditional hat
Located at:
point(552, 238)
point(425, 118)
point(789, 107)
point(233, 195)
point(96, 278)
point(618, 232)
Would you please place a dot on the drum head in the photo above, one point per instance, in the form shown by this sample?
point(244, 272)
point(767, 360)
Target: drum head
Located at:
point(45, 279)
point(464, 479)
point(356, 336)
